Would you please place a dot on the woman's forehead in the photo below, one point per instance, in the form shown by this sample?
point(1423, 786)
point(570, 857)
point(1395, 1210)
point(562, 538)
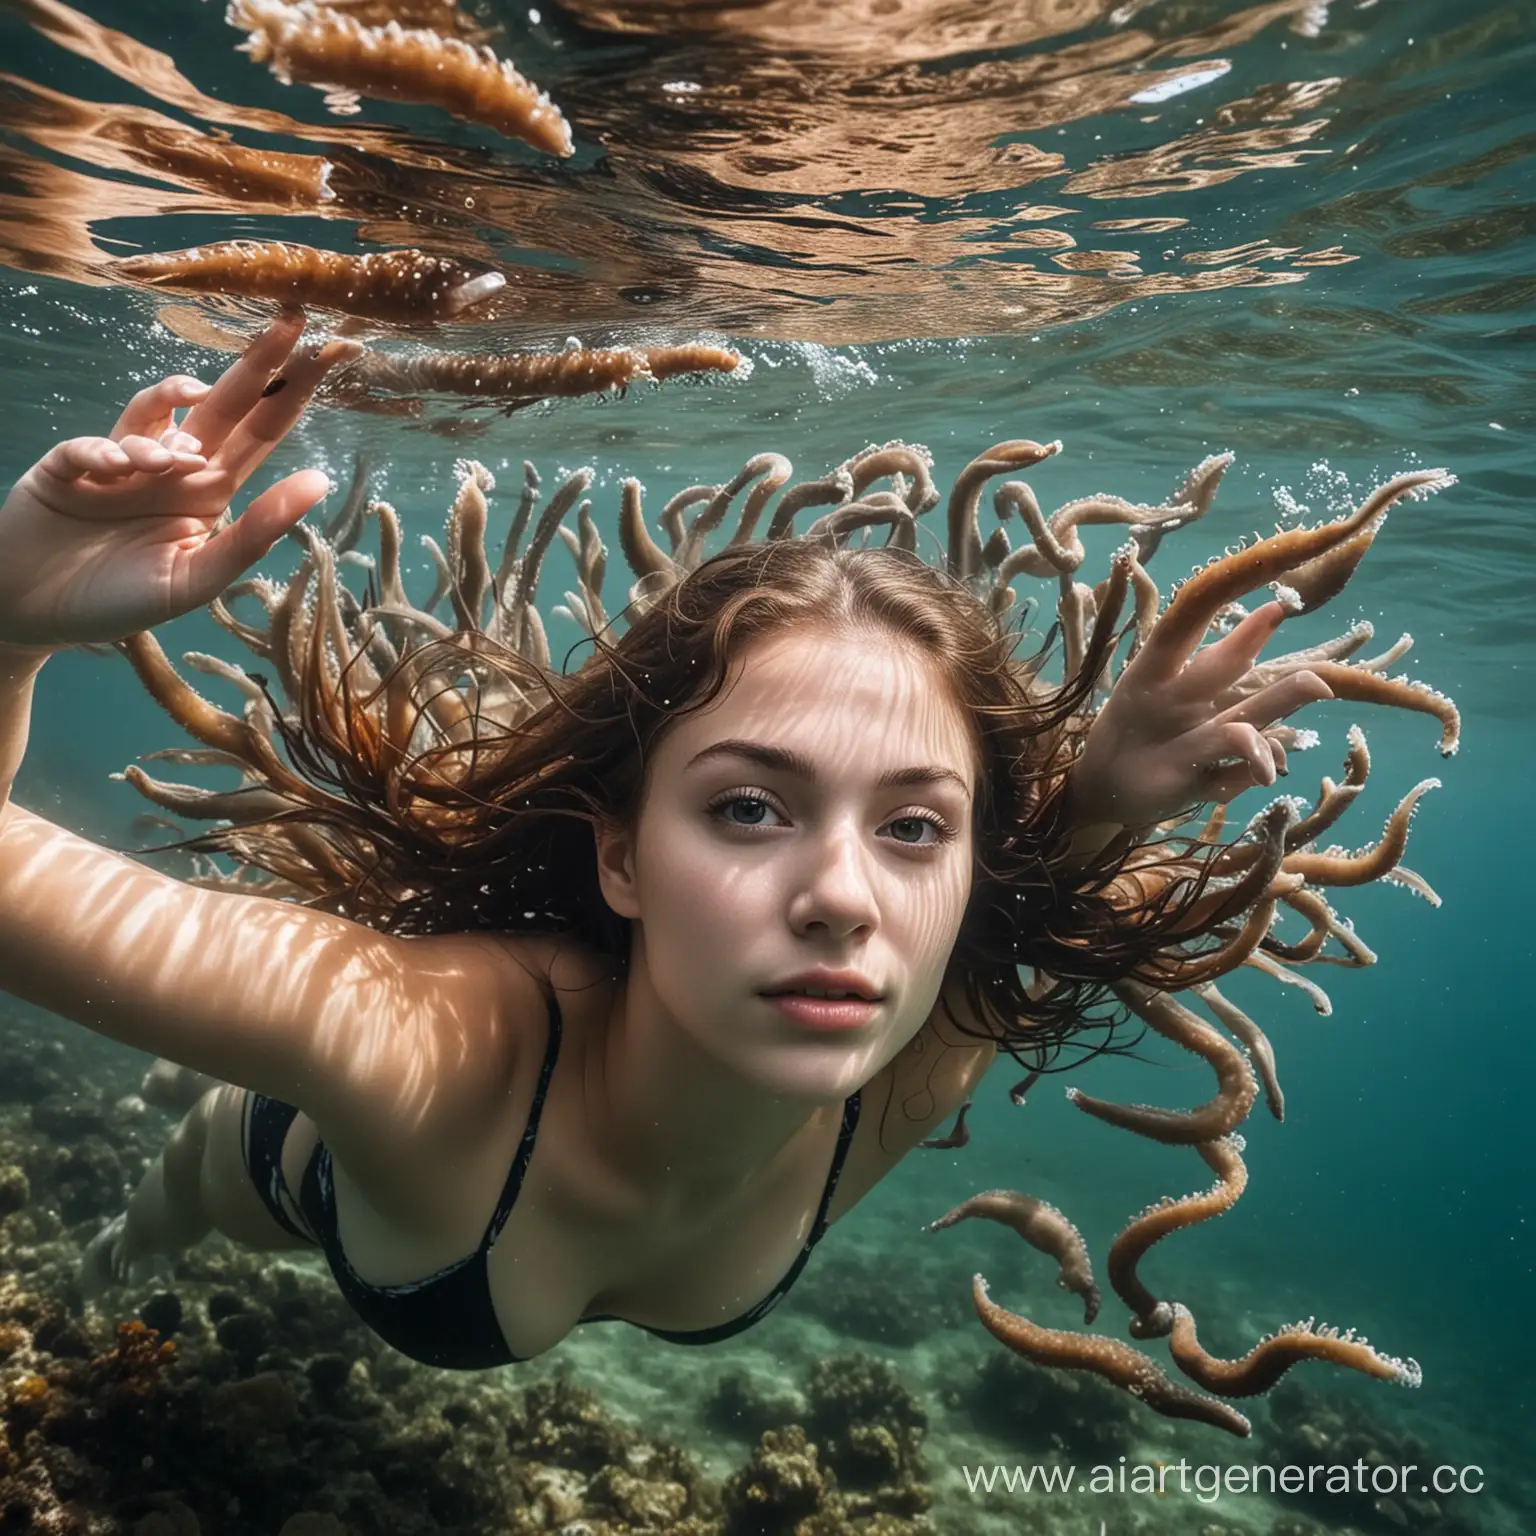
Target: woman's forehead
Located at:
point(832, 696)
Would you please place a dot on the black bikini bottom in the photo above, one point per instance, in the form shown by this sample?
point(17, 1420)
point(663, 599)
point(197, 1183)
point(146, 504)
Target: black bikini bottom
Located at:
point(264, 1127)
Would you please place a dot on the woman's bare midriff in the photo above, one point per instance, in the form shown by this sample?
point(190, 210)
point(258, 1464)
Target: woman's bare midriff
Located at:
point(579, 1241)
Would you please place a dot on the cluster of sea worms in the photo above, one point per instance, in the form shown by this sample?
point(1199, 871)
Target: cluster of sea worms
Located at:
point(378, 652)
point(1276, 864)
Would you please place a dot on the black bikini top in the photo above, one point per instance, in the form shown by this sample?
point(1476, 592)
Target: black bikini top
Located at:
point(448, 1319)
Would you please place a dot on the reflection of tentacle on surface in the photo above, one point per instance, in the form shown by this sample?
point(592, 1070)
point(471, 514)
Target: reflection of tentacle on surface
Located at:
point(390, 286)
point(321, 46)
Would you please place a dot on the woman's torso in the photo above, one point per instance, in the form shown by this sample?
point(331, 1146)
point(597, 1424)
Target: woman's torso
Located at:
point(579, 1242)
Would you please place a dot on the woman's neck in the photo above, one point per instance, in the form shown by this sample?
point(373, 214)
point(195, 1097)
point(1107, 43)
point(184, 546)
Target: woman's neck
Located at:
point(676, 1124)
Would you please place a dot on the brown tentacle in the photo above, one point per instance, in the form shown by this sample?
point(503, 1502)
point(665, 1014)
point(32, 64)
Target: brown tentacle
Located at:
point(1229, 578)
point(511, 548)
point(394, 287)
point(1150, 1317)
point(317, 44)
point(772, 465)
point(833, 490)
point(1236, 1090)
point(1273, 1356)
point(775, 475)
point(645, 556)
point(251, 802)
point(1402, 693)
point(208, 724)
point(1336, 867)
point(1118, 1363)
point(1267, 965)
point(1043, 1227)
point(965, 498)
point(1261, 1054)
point(912, 464)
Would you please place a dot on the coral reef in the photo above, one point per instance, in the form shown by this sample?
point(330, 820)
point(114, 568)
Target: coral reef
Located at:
point(1025, 1405)
point(1314, 1429)
point(869, 1429)
point(784, 1490)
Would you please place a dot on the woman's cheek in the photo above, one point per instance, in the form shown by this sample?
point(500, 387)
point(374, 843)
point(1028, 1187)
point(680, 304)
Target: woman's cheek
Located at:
point(696, 886)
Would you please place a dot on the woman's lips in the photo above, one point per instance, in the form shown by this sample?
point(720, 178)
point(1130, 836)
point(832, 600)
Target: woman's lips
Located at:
point(822, 1012)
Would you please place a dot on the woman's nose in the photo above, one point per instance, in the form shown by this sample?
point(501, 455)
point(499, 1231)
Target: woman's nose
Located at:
point(838, 892)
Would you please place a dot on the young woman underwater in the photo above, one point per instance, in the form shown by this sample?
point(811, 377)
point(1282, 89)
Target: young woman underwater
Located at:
point(603, 994)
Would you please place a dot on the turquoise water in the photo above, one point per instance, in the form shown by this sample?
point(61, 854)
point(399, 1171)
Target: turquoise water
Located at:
point(1339, 288)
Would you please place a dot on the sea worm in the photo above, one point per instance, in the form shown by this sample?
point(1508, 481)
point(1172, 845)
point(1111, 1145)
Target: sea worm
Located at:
point(1273, 1356)
point(534, 375)
point(1116, 1362)
point(390, 286)
point(321, 46)
point(1043, 1227)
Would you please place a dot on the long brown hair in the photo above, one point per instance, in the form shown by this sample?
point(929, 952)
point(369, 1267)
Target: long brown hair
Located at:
point(456, 787)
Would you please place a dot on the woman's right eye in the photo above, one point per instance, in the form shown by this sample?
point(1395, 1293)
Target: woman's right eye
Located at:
point(753, 809)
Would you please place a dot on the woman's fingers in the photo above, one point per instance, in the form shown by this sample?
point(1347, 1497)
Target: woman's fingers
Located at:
point(80, 456)
point(145, 454)
point(1220, 665)
point(152, 410)
point(1277, 700)
point(225, 557)
point(1213, 747)
point(109, 469)
point(274, 415)
point(240, 386)
point(1228, 783)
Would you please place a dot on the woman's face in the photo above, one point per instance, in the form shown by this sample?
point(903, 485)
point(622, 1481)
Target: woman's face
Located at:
point(816, 817)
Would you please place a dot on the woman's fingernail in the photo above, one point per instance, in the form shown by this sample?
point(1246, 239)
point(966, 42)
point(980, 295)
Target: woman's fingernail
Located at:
point(195, 389)
point(275, 387)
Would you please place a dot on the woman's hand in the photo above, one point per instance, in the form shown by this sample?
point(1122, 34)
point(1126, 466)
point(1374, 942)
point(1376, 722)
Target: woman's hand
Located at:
point(1177, 729)
point(107, 536)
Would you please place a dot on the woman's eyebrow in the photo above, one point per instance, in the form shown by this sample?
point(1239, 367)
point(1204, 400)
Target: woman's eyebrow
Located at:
point(788, 761)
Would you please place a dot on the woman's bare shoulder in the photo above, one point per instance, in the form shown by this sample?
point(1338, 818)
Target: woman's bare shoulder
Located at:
point(505, 982)
point(469, 1040)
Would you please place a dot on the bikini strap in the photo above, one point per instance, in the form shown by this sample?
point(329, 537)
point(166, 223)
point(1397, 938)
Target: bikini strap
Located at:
point(844, 1140)
point(515, 1175)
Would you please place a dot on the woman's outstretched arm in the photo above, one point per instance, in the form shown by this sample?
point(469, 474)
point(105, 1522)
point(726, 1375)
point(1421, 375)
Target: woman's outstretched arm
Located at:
point(103, 538)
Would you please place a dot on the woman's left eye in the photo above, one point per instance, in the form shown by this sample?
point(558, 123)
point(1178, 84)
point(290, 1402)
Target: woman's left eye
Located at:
point(910, 825)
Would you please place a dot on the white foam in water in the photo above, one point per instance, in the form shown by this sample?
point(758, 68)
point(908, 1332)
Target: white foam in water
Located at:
point(836, 373)
point(1327, 492)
